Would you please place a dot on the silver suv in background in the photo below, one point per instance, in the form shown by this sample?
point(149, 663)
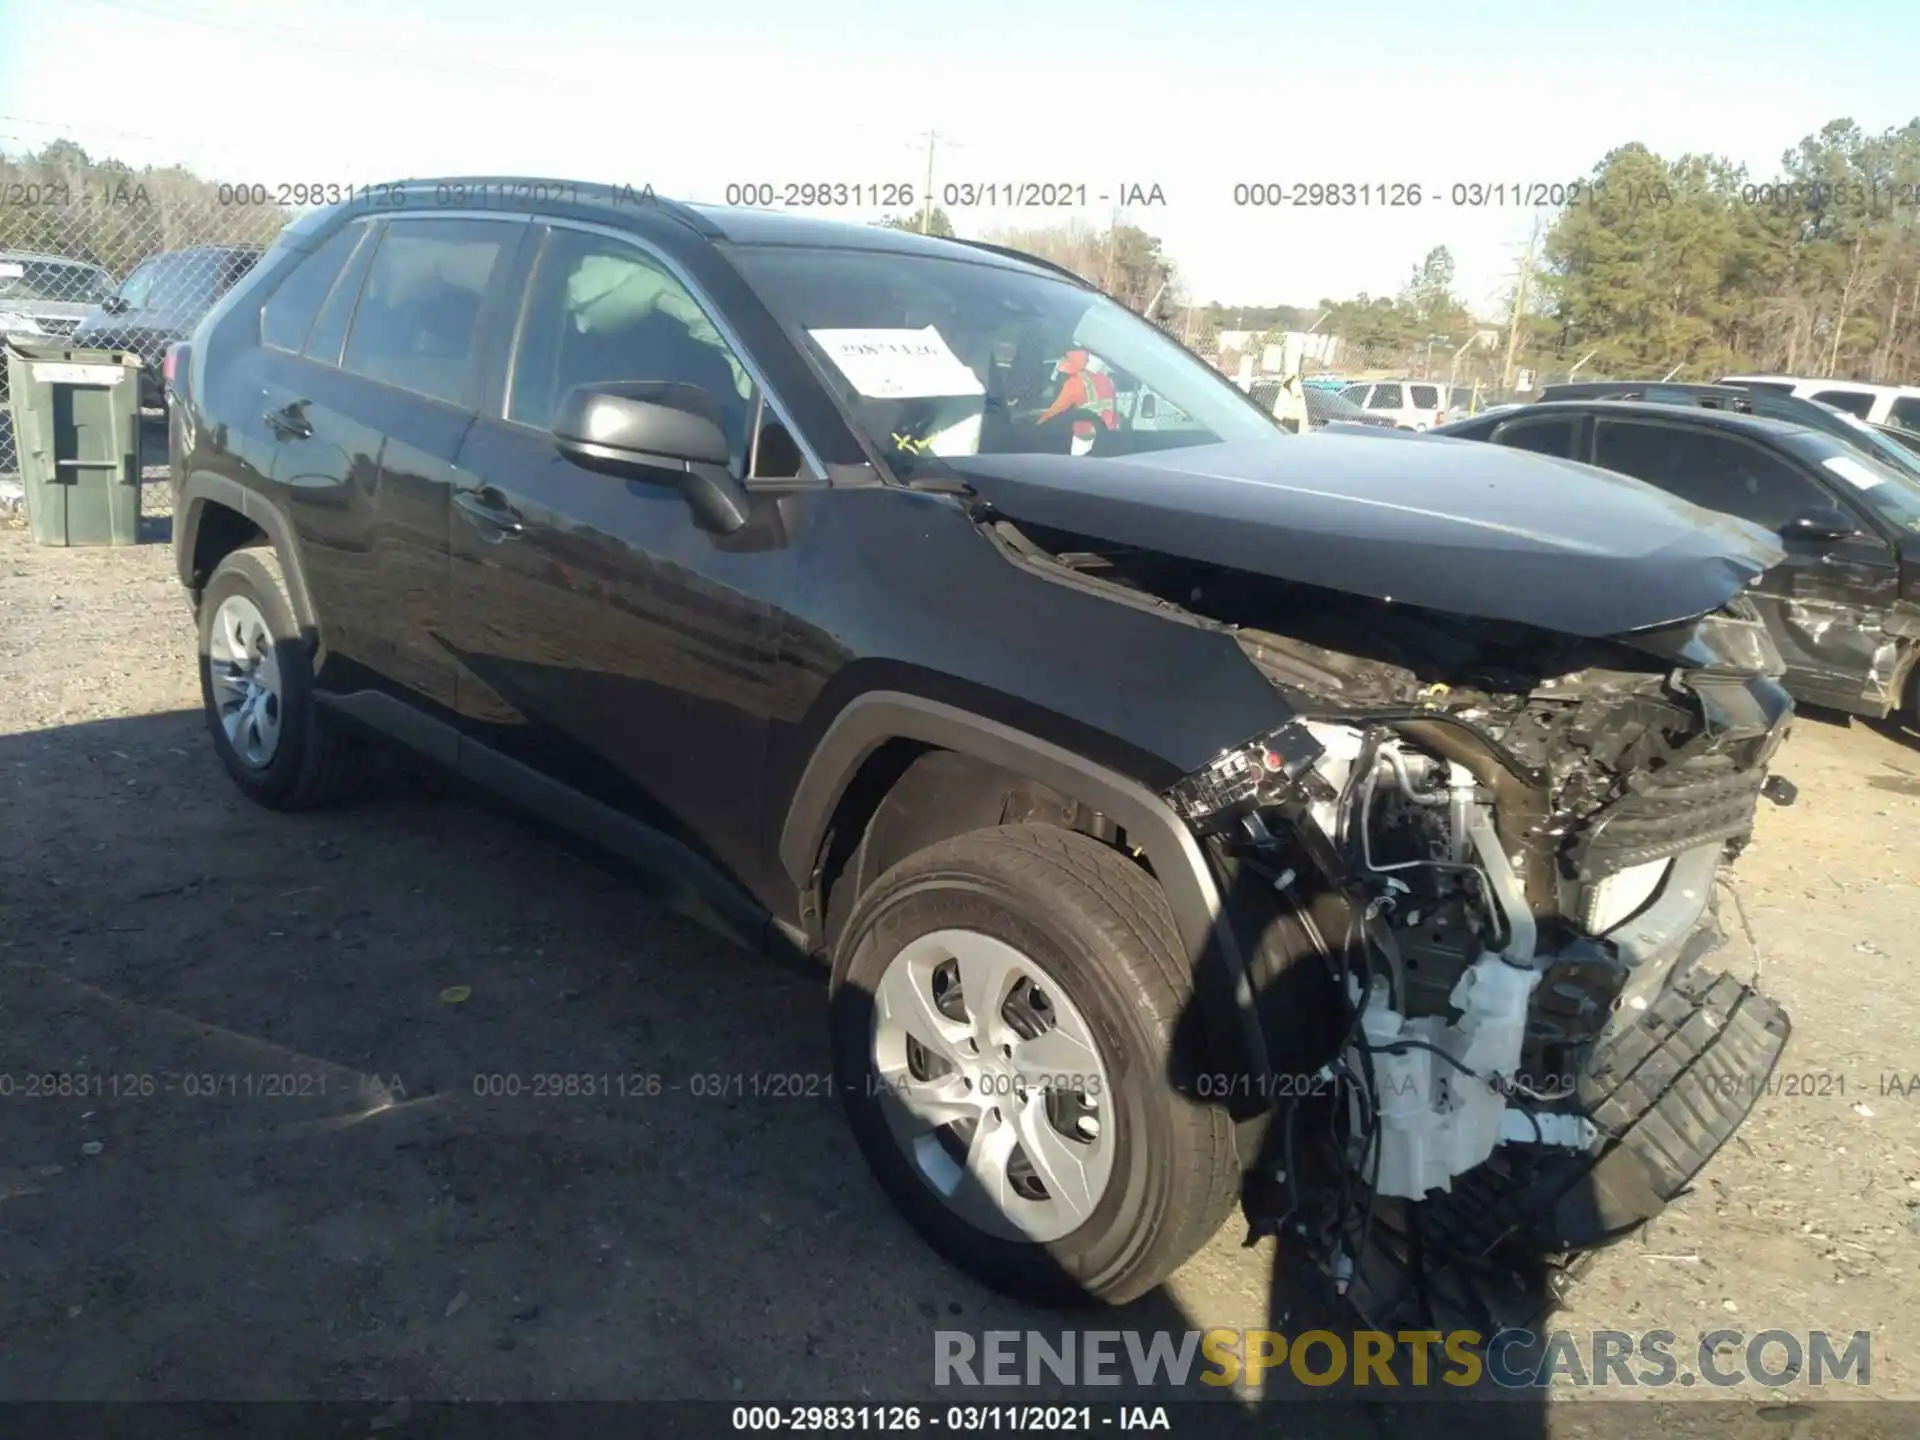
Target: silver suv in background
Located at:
point(1409, 404)
point(44, 297)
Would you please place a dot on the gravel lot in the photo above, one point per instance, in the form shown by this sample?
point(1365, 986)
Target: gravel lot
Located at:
point(312, 1201)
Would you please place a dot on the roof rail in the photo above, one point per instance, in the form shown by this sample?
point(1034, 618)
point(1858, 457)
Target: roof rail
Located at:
point(1007, 252)
point(673, 209)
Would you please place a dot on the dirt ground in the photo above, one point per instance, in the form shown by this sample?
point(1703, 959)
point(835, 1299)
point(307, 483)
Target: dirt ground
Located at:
point(277, 1180)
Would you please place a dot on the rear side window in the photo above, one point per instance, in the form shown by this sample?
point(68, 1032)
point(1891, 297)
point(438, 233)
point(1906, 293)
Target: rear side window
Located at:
point(1905, 412)
point(1425, 397)
point(1543, 437)
point(1719, 472)
point(419, 311)
point(297, 300)
point(1386, 397)
point(1854, 402)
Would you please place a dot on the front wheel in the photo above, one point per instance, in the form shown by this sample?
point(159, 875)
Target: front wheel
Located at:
point(1004, 1012)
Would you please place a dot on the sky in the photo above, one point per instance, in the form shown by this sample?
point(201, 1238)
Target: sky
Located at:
point(1194, 99)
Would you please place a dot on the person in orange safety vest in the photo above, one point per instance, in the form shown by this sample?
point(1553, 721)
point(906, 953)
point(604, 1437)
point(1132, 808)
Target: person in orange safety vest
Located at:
point(1085, 389)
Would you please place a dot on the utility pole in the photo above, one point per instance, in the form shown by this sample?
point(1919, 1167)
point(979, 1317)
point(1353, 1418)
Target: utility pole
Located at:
point(1519, 310)
point(926, 211)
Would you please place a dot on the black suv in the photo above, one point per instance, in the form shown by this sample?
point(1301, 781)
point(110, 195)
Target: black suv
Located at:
point(1155, 797)
point(160, 302)
point(1844, 605)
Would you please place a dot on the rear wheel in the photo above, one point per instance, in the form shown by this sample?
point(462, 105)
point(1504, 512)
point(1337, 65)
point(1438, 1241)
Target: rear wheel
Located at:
point(1004, 1013)
point(256, 682)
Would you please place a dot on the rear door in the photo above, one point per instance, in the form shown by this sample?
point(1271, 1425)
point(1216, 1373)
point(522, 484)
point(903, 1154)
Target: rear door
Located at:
point(1826, 601)
point(372, 420)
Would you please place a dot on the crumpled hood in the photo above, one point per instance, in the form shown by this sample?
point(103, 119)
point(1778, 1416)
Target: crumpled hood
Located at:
point(1449, 525)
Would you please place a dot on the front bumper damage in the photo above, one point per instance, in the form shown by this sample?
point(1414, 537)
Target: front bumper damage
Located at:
point(1451, 1144)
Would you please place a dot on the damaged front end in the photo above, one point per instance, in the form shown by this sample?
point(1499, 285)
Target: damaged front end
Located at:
point(1512, 841)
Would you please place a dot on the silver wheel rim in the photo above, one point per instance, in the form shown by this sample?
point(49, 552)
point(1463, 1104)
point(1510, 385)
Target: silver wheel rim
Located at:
point(246, 680)
point(992, 1086)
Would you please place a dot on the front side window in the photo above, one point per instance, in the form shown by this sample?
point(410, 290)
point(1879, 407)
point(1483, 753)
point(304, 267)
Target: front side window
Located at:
point(935, 356)
point(600, 310)
point(1386, 397)
point(135, 288)
point(1715, 471)
point(415, 325)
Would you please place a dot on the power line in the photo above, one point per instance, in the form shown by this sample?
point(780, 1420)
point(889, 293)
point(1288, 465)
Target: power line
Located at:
point(307, 40)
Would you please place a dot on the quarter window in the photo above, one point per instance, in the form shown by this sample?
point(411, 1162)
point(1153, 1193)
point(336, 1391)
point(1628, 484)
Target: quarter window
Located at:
point(290, 312)
point(419, 312)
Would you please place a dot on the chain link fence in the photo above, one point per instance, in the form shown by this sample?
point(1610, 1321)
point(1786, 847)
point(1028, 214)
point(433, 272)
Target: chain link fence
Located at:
point(97, 257)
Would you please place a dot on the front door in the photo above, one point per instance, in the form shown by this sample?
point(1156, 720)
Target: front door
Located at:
point(1825, 603)
point(606, 642)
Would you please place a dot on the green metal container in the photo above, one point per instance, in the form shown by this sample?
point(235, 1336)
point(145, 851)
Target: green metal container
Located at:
point(76, 433)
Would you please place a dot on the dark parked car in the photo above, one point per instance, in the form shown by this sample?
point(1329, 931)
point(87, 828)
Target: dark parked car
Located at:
point(757, 552)
point(160, 302)
point(1755, 400)
point(1906, 439)
point(1844, 605)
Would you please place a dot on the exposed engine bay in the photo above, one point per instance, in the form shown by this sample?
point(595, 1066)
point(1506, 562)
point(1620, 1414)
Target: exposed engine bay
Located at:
point(1527, 830)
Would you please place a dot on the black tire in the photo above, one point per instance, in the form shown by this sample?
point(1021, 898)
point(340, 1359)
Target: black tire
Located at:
point(1100, 927)
point(314, 763)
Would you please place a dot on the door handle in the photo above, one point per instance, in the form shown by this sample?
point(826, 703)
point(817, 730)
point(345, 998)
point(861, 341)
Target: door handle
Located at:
point(503, 518)
point(289, 421)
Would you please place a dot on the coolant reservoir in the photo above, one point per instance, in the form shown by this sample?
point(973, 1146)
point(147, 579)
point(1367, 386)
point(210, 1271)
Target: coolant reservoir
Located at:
point(1493, 997)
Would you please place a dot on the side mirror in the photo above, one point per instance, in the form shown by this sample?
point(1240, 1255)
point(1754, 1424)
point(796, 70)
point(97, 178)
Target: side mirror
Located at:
point(114, 305)
point(1819, 523)
point(658, 432)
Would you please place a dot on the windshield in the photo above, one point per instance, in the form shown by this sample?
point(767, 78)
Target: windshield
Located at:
point(1892, 493)
point(53, 280)
point(952, 357)
point(1889, 452)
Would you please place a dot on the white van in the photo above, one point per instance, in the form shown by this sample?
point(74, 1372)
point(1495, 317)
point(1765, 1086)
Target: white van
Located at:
point(1409, 404)
point(1875, 404)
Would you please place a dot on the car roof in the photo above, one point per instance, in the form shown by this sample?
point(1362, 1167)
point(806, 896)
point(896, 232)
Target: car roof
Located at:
point(725, 224)
point(1654, 410)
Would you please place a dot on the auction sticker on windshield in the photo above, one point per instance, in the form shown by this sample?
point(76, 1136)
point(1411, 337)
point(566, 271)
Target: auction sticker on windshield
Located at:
point(898, 364)
point(1853, 472)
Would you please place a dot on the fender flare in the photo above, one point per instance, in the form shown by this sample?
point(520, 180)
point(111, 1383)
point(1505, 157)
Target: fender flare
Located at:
point(1193, 894)
point(199, 490)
